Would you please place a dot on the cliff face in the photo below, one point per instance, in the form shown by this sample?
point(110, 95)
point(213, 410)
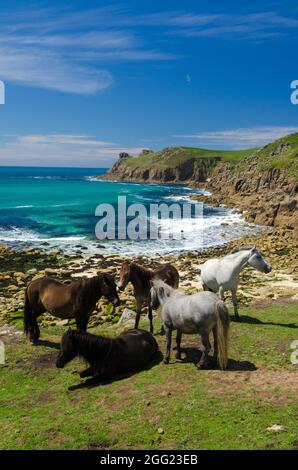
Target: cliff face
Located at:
point(268, 197)
point(188, 171)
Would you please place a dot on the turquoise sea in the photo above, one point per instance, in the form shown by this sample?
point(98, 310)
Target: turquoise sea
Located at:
point(55, 207)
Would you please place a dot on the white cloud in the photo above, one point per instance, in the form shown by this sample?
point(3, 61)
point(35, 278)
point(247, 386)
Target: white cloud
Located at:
point(67, 150)
point(64, 50)
point(242, 137)
point(45, 69)
point(256, 25)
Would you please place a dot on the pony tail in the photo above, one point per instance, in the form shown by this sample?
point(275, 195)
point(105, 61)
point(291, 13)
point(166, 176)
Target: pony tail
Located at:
point(30, 324)
point(223, 325)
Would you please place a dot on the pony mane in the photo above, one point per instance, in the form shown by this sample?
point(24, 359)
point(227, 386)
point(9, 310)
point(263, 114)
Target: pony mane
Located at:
point(87, 290)
point(89, 346)
point(159, 283)
point(144, 273)
point(243, 248)
point(90, 341)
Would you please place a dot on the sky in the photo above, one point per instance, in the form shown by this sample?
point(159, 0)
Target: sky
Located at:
point(86, 80)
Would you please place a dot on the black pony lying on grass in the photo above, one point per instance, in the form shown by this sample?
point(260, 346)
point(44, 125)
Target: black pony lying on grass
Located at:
point(107, 357)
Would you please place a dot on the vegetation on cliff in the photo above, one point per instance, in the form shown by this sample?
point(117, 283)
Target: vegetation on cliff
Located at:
point(282, 153)
point(173, 156)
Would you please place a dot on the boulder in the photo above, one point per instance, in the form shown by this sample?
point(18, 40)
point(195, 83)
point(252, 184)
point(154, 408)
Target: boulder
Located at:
point(128, 317)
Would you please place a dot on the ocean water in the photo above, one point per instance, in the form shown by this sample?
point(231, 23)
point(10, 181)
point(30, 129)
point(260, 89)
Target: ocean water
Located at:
point(55, 207)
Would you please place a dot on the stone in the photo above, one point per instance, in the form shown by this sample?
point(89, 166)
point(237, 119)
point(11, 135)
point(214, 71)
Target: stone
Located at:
point(32, 271)
point(128, 316)
point(276, 428)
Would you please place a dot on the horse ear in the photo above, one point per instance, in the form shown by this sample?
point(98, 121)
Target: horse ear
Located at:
point(161, 291)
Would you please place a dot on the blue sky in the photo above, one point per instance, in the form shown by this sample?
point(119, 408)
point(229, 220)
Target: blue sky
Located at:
point(87, 79)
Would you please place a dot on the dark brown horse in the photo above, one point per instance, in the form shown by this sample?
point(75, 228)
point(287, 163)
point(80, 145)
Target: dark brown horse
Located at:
point(107, 357)
point(76, 300)
point(140, 278)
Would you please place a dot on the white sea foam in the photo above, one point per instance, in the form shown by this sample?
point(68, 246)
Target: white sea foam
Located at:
point(16, 234)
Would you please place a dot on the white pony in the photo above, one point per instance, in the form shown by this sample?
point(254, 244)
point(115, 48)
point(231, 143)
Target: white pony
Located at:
point(198, 313)
point(220, 275)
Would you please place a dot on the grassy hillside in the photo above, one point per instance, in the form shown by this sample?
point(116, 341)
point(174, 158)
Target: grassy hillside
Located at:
point(175, 156)
point(282, 153)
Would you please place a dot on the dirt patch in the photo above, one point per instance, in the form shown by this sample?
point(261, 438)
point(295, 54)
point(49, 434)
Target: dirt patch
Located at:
point(45, 361)
point(100, 445)
point(45, 398)
point(9, 334)
point(270, 385)
point(264, 303)
point(56, 438)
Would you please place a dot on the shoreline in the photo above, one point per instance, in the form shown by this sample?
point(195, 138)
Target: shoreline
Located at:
point(18, 268)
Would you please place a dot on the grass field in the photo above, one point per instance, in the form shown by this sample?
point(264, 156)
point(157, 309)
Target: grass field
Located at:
point(173, 156)
point(164, 407)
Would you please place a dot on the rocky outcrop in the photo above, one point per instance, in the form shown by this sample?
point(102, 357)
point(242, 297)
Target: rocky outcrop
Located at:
point(192, 170)
point(268, 197)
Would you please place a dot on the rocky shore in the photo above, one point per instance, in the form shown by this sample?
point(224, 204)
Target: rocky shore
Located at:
point(278, 245)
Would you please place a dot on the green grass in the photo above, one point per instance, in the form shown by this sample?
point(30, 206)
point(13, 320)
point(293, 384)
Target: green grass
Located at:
point(282, 153)
point(208, 409)
point(174, 156)
point(269, 157)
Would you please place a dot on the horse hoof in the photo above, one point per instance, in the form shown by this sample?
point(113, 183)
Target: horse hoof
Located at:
point(166, 361)
point(178, 356)
point(201, 366)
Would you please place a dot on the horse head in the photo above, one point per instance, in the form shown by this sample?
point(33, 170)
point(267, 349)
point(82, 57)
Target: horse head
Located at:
point(124, 276)
point(109, 289)
point(68, 350)
point(154, 300)
point(257, 261)
point(159, 292)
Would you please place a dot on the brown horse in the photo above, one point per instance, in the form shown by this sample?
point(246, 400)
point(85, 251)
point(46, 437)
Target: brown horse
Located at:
point(141, 278)
point(75, 300)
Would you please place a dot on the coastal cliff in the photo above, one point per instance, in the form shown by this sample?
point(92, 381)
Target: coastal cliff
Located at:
point(261, 182)
point(170, 165)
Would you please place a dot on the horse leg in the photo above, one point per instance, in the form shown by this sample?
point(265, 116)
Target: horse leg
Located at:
point(139, 309)
point(221, 293)
point(178, 342)
point(31, 313)
point(205, 350)
point(87, 372)
point(215, 344)
point(168, 332)
point(95, 380)
point(81, 322)
point(35, 332)
point(150, 318)
point(235, 304)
